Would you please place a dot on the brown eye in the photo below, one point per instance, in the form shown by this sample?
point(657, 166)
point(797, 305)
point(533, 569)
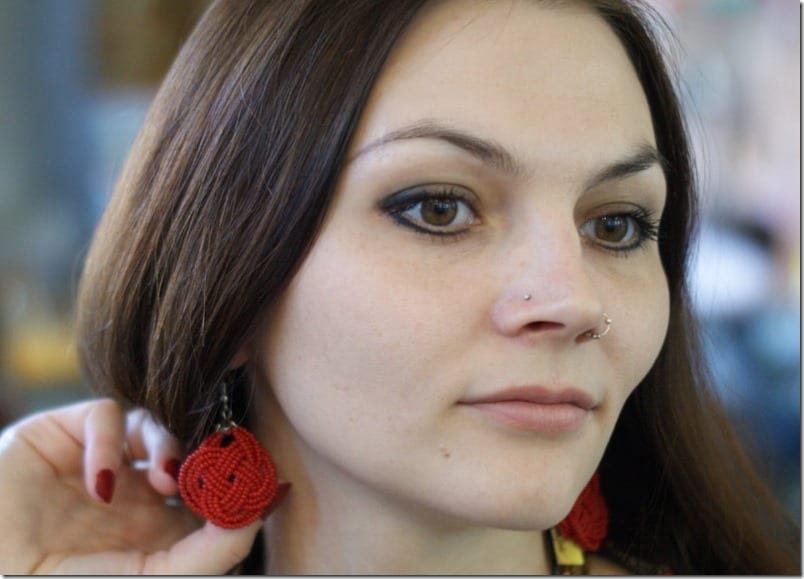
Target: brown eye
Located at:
point(444, 215)
point(439, 212)
point(620, 231)
point(613, 229)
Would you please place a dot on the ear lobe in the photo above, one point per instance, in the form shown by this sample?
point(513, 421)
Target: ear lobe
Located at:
point(243, 355)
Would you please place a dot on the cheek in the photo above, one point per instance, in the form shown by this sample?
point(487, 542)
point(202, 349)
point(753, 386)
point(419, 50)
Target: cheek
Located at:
point(352, 341)
point(641, 325)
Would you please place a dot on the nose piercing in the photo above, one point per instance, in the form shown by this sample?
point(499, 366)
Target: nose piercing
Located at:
point(526, 297)
point(607, 321)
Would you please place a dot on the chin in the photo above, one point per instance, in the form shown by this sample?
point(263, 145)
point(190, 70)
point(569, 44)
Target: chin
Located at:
point(535, 518)
point(509, 512)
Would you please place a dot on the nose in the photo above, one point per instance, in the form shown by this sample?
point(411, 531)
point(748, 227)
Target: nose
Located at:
point(550, 291)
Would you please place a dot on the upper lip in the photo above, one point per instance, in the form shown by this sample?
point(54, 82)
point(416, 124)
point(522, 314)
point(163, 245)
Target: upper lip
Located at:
point(537, 395)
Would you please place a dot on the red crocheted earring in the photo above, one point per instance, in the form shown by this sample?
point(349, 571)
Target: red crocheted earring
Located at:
point(587, 524)
point(230, 479)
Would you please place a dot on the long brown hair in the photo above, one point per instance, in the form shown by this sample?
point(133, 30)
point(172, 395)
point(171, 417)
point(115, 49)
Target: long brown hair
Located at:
point(227, 186)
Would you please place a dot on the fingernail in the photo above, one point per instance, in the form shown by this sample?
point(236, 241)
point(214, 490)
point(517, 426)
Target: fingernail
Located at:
point(104, 485)
point(281, 492)
point(172, 467)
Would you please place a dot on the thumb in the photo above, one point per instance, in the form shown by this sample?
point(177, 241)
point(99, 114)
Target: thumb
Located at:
point(210, 550)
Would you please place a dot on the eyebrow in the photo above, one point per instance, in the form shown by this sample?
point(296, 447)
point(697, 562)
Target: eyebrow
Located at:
point(645, 157)
point(499, 158)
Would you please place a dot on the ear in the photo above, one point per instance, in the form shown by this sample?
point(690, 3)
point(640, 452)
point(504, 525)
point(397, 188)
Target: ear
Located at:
point(243, 355)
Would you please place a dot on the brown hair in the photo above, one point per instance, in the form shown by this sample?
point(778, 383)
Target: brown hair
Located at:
point(680, 485)
point(225, 191)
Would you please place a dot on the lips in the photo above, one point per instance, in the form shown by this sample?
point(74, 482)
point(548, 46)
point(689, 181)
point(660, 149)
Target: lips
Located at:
point(535, 408)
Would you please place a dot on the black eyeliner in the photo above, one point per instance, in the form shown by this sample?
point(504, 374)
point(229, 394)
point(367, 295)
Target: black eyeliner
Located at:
point(395, 205)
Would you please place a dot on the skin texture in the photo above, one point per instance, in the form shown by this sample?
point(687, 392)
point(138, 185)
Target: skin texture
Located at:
point(386, 330)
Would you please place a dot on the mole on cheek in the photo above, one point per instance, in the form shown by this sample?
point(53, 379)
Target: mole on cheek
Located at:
point(444, 451)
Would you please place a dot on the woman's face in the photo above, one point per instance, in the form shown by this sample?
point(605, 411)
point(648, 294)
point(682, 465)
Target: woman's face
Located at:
point(506, 151)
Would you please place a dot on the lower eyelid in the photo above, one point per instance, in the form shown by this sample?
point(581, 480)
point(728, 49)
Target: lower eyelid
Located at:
point(433, 235)
point(647, 231)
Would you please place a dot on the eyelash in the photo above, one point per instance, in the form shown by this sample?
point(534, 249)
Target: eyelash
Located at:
point(395, 206)
point(648, 229)
point(403, 202)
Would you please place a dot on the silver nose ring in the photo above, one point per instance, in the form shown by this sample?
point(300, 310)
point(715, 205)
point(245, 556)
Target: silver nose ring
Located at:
point(607, 321)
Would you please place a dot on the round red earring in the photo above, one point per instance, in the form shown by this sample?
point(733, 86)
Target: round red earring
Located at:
point(587, 524)
point(230, 479)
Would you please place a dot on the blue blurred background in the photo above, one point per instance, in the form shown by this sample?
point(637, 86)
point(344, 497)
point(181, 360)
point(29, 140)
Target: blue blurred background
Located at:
point(76, 78)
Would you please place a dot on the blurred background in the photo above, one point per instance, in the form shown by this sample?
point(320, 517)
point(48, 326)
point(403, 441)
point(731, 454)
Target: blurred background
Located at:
point(76, 78)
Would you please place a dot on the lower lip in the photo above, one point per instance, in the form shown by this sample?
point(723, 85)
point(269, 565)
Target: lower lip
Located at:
point(534, 417)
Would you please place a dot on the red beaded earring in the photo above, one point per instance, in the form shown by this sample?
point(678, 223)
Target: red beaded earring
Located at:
point(587, 524)
point(230, 480)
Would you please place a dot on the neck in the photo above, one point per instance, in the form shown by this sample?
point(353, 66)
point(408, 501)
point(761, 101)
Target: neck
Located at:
point(343, 527)
point(332, 523)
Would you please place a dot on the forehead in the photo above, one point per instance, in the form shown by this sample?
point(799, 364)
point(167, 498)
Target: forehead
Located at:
point(546, 81)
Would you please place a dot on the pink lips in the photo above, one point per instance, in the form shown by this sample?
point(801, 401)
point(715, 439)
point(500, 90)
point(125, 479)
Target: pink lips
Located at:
point(535, 408)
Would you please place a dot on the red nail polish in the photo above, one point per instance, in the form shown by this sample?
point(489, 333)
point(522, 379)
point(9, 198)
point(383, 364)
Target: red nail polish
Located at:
point(104, 485)
point(281, 492)
point(172, 467)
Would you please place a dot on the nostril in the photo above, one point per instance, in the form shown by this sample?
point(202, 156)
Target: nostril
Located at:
point(543, 326)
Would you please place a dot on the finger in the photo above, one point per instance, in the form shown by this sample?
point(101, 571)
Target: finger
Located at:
point(83, 438)
point(149, 441)
point(210, 550)
point(103, 448)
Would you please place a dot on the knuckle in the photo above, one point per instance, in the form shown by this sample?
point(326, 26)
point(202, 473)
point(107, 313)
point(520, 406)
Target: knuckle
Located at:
point(136, 418)
point(107, 406)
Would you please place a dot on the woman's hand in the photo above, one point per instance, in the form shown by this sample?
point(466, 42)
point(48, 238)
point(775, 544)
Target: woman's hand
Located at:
point(71, 501)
